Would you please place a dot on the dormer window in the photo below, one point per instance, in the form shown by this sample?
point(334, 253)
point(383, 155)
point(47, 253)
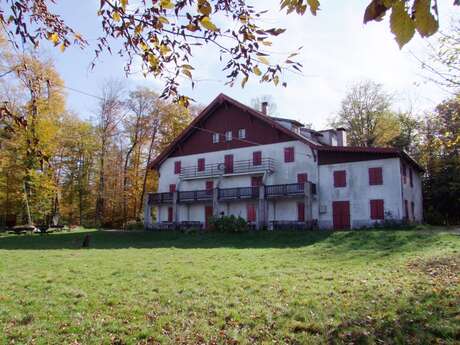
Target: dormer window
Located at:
point(215, 138)
point(242, 133)
point(228, 136)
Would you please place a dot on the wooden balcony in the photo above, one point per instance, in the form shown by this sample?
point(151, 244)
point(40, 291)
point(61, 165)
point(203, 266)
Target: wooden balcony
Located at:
point(237, 168)
point(241, 193)
point(160, 198)
point(280, 190)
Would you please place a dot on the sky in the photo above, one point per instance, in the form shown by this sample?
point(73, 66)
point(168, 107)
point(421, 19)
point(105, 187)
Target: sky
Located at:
point(338, 50)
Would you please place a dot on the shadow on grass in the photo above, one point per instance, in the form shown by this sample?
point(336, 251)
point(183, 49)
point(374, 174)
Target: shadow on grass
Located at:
point(338, 241)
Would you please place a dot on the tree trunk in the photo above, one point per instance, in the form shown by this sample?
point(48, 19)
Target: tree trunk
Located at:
point(149, 157)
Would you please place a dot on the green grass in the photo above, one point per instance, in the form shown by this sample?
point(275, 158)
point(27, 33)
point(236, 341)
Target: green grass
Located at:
point(363, 287)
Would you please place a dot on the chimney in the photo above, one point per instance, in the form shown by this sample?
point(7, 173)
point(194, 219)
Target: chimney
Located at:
point(264, 108)
point(341, 137)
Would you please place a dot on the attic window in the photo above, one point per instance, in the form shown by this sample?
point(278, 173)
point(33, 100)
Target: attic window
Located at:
point(242, 133)
point(215, 138)
point(228, 136)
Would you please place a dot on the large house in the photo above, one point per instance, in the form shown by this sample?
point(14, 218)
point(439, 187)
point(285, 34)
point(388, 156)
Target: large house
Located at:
point(274, 172)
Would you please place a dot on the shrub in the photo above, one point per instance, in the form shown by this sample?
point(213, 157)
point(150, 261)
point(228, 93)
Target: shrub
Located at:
point(228, 224)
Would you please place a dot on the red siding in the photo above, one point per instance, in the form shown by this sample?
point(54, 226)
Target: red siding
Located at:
point(170, 214)
point(340, 178)
point(301, 212)
point(375, 176)
point(172, 188)
point(257, 158)
point(251, 213)
point(377, 209)
point(289, 154)
point(177, 167)
point(200, 164)
point(228, 118)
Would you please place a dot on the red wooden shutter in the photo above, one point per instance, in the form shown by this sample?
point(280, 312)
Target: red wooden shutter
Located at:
point(289, 154)
point(257, 158)
point(340, 178)
point(256, 181)
point(177, 167)
point(228, 161)
point(251, 213)
point(377, 209)
point(411, 178)
point(301, 212)
point(172, 188)
point(375, 176)
point(170, 214)
point(200, 164)
point(302, 178)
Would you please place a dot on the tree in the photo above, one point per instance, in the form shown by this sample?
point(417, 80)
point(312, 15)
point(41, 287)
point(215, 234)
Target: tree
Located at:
point(366, 114)
point(163, 34)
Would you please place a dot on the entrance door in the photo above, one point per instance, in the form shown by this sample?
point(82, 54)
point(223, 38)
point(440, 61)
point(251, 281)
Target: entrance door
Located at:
point(208, 213)
point(228, 161)
point(341, 214)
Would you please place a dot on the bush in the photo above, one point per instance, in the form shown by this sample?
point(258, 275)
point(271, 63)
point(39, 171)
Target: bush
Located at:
point(228, 224)
point(134, 225)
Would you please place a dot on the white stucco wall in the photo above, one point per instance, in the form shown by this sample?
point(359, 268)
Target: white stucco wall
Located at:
point(358, 191)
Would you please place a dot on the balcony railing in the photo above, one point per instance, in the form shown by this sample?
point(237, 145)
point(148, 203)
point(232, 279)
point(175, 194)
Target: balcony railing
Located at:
point(238, 193)
point(237, 167)
point(195, 195)
point(160, 198)
point(277, 190)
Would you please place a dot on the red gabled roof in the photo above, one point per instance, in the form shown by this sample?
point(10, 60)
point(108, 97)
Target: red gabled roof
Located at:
point(219, 100)
point(222, 98)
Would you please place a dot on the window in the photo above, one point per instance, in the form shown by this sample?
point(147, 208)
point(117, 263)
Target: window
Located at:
point(209, 187)
point(170, 214)
point(256, 181)
point(257, 158)
point(404, 172)
point(412, 206)
point(301, 212)
point(411, 181)
point(172, 188)
point(228, 136)
point(242, 133)
point(340, 178)
point(215, 138)
point(177, 167)
point(251, 213)
point(200, 166)
point(406, 209)
point(377, 209)
point(375, 176)
point(302, 178)
point(288, 154)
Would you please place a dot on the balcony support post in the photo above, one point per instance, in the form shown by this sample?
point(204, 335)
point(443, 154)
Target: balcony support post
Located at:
point(215, 202)
point(147, 214)
point(175, 208)
point(262, 214)
point(307, 201)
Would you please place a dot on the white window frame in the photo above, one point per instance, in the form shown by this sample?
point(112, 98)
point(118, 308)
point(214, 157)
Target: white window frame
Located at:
point(215, 138)
point(242, 133)
point(228, 136)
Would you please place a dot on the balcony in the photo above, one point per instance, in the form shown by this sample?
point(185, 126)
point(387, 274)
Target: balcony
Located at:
point(194, 195)
point(227, 194)
point(280, 190)
point(160, 198)
point(234, 168)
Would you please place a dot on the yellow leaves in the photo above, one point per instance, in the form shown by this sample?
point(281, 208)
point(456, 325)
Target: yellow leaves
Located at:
point(264, 60)
point(314, 6)
point(62, 47)
point(276, 80)
point(124, 3)
point(163, 20)
point(153, 61)
point(266, 43)
point(207, 24)
point(187, 73)
point(167, 4)
point(138, 29)
point(244, 81)
point(191, 27)
point(144, 46)
point(401, 24)
point(164, 49)
point(116, 16)
point(425, 22)
point(54, 37)
point(256, 71)
point(204, 7)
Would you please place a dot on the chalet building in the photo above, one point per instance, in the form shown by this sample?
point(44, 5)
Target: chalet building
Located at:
point(274, 172)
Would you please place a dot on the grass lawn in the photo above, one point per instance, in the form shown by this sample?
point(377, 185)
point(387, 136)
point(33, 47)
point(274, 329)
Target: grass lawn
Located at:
point(362, 287)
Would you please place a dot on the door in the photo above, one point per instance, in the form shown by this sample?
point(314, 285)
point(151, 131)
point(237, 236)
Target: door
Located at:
point(256, 181)
point(251, 213)
point(302, 178)
point(341, 215)
point(208, 213)
point(228, 159)
point(209, 187)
